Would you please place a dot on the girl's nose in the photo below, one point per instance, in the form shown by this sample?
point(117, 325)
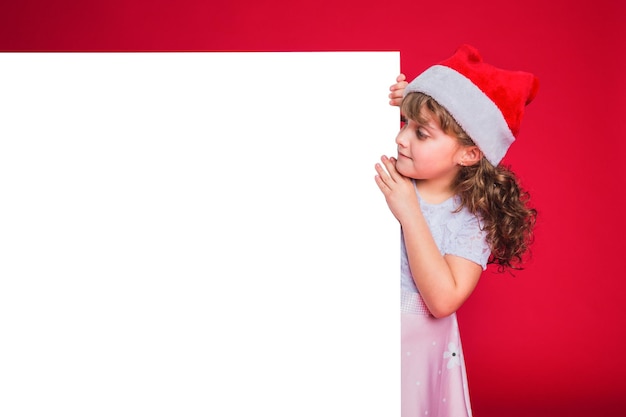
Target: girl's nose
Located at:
point(401, 138)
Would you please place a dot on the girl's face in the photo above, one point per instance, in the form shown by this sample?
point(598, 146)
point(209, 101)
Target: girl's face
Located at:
point(425, 152)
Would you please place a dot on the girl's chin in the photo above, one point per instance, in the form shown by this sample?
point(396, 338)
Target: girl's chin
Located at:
point(406, 171)
point(400, 167)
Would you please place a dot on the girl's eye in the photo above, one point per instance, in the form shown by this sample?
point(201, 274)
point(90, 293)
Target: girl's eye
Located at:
point(421, 134)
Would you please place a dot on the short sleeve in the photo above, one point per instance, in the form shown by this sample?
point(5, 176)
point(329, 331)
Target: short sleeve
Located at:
point(467, 239)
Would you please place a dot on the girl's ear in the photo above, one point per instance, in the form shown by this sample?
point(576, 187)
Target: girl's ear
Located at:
point(471, 155)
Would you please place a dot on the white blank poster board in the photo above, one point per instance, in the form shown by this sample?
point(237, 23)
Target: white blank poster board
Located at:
point(197, 234)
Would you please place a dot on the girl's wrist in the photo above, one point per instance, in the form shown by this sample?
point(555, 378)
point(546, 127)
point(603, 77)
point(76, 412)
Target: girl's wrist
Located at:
point(412, 219)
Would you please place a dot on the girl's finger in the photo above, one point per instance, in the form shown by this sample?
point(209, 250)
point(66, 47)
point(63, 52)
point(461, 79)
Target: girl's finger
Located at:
point(382, 179)
point(385, 173)
point(390, 166)
point(399, 85)
point(381, 172)
point(395, 95)
point(381, 184)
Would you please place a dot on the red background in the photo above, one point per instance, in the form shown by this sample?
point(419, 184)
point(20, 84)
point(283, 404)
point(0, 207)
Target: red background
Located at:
point(547, 341)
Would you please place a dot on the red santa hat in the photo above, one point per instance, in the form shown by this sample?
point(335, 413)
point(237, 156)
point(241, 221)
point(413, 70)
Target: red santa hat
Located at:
point(487, 102)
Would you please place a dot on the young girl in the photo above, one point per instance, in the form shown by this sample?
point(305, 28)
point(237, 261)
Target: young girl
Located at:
point(458, 210)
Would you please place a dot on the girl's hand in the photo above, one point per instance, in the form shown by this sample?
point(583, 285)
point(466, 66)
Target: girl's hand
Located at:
point(398, 190)
point(397, 90)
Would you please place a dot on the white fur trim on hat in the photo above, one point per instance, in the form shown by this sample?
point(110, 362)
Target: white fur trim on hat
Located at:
point(479, 117)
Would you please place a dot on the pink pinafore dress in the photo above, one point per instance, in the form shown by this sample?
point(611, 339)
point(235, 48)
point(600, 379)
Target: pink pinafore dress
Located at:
point(434, 380)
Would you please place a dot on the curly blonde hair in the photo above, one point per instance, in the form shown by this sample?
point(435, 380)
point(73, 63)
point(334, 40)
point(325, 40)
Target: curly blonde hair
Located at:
point(491, 192)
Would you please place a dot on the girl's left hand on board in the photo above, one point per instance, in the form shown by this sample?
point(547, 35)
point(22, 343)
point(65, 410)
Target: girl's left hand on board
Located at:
point(397, 90)
point(398, 190)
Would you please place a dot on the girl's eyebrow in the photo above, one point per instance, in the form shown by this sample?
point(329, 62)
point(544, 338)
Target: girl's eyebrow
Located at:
point(428, 125)
point(426, 122)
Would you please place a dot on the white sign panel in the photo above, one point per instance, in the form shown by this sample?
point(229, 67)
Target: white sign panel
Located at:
point(197, 234)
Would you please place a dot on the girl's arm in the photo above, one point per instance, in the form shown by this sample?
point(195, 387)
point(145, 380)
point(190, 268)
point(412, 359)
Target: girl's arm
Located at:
point(444, 282)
